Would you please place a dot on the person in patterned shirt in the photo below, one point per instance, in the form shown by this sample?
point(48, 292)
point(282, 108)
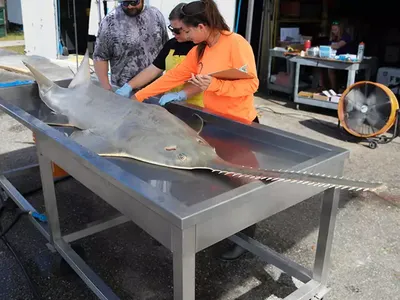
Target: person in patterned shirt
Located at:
point(129, 38)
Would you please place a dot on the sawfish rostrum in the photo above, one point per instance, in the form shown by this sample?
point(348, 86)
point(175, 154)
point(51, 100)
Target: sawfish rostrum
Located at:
point(113, 126)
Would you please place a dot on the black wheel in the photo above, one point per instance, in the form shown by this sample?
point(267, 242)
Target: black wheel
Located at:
point(373, 145)
point(386, 140)
point(63, 267)
point(382, 138)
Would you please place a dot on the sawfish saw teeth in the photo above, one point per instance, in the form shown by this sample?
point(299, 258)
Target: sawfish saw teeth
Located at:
point(299, 181)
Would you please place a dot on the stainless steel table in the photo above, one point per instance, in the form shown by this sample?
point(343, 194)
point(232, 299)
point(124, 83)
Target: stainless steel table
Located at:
point(350, 67)
point(187, 211)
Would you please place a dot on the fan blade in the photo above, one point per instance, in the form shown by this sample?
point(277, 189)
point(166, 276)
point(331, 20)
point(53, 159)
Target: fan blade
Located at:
point(355, 100)
point(355, 119)
point(375, 119)
point(371, 100)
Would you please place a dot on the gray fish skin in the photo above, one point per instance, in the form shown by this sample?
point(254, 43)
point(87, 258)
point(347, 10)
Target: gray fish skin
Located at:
point(114, 126)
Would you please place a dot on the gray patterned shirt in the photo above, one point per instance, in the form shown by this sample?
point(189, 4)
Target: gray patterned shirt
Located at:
point(130, 43)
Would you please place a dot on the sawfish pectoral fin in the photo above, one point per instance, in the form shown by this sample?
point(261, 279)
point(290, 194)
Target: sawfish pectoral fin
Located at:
point(94, 142)
point(55, 119)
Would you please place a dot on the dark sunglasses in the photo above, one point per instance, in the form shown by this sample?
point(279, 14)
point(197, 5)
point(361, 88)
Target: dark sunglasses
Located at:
point(335, 23)
point(132, 3)
point(193, 8)
point(175, 30)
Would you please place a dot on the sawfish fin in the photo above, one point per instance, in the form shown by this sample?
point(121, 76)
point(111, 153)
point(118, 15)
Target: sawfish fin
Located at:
point(82, 75)
point(298, 177)
point(93, 142)
point(43, 82)
point(59, 120)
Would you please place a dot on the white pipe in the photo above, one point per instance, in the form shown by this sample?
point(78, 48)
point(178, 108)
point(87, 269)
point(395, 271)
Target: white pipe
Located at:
point(249, 23)
point(99, 8)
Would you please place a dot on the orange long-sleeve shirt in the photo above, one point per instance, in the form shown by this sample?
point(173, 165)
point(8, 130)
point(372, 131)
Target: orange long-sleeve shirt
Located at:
point(232, 99)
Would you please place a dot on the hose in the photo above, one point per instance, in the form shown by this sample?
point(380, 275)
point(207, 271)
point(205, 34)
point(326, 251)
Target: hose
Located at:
point(238, 16)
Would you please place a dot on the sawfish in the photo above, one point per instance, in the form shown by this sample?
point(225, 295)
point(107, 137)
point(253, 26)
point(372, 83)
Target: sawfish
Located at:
point(113, 126)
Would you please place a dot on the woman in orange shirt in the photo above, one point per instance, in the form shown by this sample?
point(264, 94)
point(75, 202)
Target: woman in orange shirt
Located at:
point(217, 49)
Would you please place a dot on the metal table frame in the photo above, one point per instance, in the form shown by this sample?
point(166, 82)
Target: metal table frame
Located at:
point(185, 230)
point(350, 67)
point(290, 69)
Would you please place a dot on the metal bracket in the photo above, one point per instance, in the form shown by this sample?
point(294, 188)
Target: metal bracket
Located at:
point(321, 294)
point(51, 248)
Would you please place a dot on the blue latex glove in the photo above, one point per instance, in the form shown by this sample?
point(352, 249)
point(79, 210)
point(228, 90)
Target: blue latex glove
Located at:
point(179, 96)
point(125, 90)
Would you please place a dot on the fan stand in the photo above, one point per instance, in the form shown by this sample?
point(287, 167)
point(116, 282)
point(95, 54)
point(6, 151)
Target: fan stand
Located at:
point(381, 139)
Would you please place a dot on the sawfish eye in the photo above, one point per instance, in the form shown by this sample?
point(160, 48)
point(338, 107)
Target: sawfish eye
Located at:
point(182, 156)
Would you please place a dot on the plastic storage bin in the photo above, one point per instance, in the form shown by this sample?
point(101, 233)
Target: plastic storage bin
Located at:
point(389, 77)
point(325, 51)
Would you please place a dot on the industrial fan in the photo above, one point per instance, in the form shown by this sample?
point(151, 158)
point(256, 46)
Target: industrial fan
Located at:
point(367, 110)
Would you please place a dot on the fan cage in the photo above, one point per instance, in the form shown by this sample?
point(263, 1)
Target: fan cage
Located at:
point(389, 108)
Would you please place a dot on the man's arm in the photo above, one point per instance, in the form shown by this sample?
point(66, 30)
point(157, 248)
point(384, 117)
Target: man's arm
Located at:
point(144, 77)
point(101, 69)
point(102, 53)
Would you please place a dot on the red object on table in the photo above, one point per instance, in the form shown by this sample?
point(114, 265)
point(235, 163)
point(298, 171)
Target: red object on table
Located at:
point(307, 45)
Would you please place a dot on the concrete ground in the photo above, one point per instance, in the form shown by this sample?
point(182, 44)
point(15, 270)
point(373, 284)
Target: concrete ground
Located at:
point(366, 248)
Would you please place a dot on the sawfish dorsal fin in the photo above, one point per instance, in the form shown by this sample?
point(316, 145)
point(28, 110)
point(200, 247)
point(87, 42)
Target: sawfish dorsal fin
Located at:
point(82, 76)
point(43, 82)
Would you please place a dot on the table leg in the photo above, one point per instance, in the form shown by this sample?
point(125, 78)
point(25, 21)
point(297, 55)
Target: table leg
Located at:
point(49, 195)
point(184, 260)
point(329, 209)
point(296, 81)
point(351, 77)
point(269, 69)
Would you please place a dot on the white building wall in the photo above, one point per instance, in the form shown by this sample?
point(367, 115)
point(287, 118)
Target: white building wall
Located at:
point(39, 20)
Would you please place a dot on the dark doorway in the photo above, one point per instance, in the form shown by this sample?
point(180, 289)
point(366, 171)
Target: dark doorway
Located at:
point(67, 30)
point(257, 22)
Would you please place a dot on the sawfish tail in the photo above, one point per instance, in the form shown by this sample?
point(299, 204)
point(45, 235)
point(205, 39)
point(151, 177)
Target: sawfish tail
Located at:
point(299, 177)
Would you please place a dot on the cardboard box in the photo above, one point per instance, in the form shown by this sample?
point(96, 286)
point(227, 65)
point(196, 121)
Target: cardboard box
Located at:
point(320, 96)
point(327, 96)
point(305, 94)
